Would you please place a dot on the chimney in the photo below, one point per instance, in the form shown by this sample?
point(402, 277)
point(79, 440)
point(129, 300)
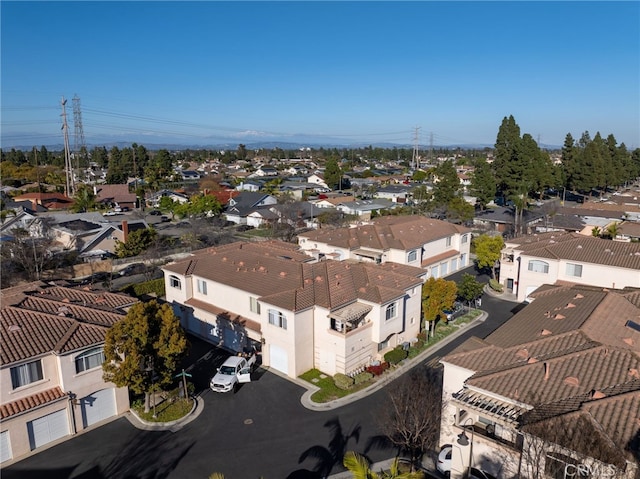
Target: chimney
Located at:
point(125, 231)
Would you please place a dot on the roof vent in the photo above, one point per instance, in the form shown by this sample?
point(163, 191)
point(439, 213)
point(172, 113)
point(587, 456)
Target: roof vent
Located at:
point(559, 316)
point(595, 394)
point(569, 305)
point(283, 274)
point(522, 354)
point(578, 296)
point(634, 373)
point(14, 328)
point(572, 381)
point(607, 250)
point(579, 246)
point(545, 332)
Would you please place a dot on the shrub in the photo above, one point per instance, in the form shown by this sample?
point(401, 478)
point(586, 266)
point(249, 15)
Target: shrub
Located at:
point(140, 289)
point(362, 377)
point(494, 285)
point(378, 369)
point(422, 336)
point(396, 355)
point(342, 381)
point(419, 344)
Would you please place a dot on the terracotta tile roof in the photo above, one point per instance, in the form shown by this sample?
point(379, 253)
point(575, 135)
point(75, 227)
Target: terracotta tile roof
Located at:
point(563, 377)
point(282, 276)
point(553, 312)
point(487, 358)
point(35, 400)
point(439, 257)
point(234, 318)
point(582, 249)
point(40, 318)
point(397, 232)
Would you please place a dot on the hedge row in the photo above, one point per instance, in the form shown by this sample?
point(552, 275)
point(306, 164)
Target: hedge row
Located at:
point(148, 287)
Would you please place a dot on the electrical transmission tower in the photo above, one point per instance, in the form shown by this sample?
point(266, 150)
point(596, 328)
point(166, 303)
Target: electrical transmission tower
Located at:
point(415, 160)
point(431, 148)
point(68, 168)
point(78, 138)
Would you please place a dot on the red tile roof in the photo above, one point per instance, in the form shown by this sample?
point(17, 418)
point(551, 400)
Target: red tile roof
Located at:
point(35, 400)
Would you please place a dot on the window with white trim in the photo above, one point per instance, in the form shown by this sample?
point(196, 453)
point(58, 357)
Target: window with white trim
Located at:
point(391, 311)
point(383, 345)
point(538, 266)
point(463, 260)
point(89, 359)
point(574, 270)
point(277, 319)
point(26, 374)
point(449, 241)
point(463, 239)
point(175, 282)
point(444, 268)
point(202, 286)
point(254, 306)
point(412, 256)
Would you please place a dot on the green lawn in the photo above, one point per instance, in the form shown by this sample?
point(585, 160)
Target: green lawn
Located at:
point(329, 391)
point(166, 411)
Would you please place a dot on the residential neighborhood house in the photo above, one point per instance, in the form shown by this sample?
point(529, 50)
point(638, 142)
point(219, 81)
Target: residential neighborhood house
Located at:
point(530, 261)
point(336, 316)
point(438, 247)
point(51, 374)
point(553, 393)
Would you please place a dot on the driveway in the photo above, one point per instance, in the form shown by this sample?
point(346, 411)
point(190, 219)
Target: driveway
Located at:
point(263, 430)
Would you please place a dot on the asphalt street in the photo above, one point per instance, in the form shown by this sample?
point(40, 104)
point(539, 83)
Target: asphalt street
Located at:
point(263, 430)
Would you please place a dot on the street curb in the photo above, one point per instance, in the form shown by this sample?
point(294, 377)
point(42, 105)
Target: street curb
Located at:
point(173, 426)
point(387, 378)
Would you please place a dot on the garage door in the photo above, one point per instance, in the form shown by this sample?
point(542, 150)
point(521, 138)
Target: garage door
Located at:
point(98, 406)
point(278, 359)
point(5, 446)
point(48, 428)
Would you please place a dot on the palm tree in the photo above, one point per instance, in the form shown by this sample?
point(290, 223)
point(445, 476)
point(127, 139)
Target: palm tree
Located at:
point(613, 230)
point(361, 469)
point(596, 231)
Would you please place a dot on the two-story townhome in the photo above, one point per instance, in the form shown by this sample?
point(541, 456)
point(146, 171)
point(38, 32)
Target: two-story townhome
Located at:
point(245, 203)
point(530, 261)
point(438, 247)
point(51, 358)
point(336, 316)
point(553, 393)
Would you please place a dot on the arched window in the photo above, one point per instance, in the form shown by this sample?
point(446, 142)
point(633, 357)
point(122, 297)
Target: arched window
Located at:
point(391, 311)
point(90, 359)
point(538, 266)
point(175, 282)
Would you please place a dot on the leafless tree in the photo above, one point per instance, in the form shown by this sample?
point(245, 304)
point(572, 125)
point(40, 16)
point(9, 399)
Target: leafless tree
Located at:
point(571, 446)
point(410, 418)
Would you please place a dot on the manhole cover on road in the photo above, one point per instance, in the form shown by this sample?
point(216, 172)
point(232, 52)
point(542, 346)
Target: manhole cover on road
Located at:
point(248, 421)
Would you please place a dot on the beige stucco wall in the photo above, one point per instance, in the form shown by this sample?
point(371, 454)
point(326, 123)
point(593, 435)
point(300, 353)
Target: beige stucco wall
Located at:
point(51, 379)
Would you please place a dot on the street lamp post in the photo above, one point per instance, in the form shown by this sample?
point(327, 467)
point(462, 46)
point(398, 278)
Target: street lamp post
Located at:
point(463, 440)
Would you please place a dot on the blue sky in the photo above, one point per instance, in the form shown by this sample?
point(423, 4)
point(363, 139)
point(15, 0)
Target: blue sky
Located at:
point(370, 72)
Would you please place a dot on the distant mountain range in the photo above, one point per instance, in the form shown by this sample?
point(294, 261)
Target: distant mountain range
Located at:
point(251, 142)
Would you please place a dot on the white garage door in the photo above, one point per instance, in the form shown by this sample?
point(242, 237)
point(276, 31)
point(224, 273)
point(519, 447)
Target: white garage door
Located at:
point(278, 359)
point(5, 446)
point(98, 406)
point(48, 428)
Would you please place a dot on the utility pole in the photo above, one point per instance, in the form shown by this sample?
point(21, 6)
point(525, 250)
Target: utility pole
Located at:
point(415, 160)
point(70, 188)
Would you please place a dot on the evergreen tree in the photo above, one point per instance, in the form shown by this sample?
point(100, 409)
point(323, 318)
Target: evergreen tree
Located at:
point(332, 173)
point(483, 183)
point(143, 349)
point(448, 184)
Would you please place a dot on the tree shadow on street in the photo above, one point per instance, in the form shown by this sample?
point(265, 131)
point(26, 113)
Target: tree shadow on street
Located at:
point(327, 457)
